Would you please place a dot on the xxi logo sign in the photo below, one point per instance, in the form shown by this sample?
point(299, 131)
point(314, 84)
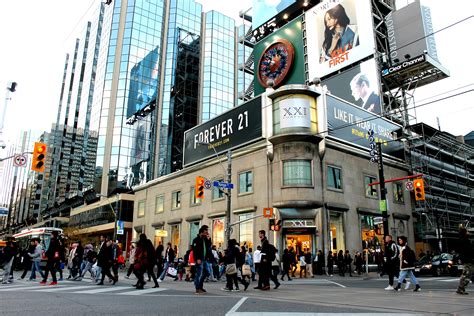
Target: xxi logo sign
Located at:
point(294, 111)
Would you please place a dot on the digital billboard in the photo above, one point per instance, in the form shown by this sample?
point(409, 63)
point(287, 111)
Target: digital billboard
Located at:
point(232, 129)
point(359, 85)
point(350, 123)
point(338, 33)
point(143, 83)
point(264, 10)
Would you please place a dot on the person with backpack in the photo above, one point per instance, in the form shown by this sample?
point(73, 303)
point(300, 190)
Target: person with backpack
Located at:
point(267, 256)
point(407, 264)
point(391, 260)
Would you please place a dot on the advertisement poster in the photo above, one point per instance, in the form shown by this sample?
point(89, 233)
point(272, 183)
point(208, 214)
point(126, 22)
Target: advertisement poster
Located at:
point(338, 33)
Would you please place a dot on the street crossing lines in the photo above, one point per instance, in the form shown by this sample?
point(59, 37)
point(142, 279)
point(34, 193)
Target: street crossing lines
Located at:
point(61, 288)
point(144, 291)
point(103, 290)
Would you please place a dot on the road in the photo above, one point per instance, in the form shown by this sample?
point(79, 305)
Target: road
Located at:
point(312, 296)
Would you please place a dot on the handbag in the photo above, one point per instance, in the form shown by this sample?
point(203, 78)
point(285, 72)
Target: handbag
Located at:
point(231, 268)
point(172, 271)
point(246, 270)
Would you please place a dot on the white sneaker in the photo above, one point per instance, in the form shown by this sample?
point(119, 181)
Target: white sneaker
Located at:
point(160, 280)
point(407, 285)
point(389, 288)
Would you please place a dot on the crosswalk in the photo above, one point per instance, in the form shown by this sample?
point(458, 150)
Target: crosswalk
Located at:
point(74, 288)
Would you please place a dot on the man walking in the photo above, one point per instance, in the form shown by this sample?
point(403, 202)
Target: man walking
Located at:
point(53, 254)
point(9, 253)
point(391, 260)
point(265, 267)
point(201, 252)
point(466, 255)
point(36, 260)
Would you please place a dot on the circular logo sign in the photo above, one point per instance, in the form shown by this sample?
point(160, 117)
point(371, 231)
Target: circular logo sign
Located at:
point(275, 62)
point(409, 186)
point(207, 184)
point(19, 160)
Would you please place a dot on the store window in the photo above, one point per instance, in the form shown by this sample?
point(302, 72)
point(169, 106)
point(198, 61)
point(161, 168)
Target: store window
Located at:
point(398, 192)
point(194, 200)
point(372, 234)
point(159, 204)
point(218, 229)
point(336, 232)
point(193, 231)
point(370, 191)
point(175, 200)
point(160, 233)
point(175, 236)
point(217, 193)
point(246, 182)
point(246, 230)
point(141, 208)
point(297, 173)
point(334, 178)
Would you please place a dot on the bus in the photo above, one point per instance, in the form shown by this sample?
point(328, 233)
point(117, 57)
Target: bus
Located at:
point(43, 233)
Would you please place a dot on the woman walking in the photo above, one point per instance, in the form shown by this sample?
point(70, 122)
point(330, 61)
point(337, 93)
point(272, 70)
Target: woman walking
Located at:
point(286, 262)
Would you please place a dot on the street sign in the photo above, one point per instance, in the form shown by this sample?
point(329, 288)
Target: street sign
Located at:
point(3, 211)
point(207, 184)
point(120, 228)
point(19, 160)
point(223, 185)
point(409, 186)
point(268, 212)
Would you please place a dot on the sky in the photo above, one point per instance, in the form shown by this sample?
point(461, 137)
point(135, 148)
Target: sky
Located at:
point(36, 35)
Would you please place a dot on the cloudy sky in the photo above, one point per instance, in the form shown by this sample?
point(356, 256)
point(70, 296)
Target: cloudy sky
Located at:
point(35, 36)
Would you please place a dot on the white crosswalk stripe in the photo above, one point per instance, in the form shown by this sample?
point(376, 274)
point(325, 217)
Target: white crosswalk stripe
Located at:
point(103, 290)
point(141, 292)
point(61, 288)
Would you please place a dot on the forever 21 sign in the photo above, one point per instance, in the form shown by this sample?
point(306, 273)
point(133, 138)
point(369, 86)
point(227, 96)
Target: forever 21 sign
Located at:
point(232, 129)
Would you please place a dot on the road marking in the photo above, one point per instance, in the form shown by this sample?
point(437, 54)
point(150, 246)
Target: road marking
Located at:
point(103, 290)
point(336, 283)
point(450, 280)
point(314, 314)
point(62, 288)
point(145, 291)
point(236, 306)
point(6, 289)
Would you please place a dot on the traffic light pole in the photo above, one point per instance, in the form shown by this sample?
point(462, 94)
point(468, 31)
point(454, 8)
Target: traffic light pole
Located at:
point(229, 198)
point(383, 191)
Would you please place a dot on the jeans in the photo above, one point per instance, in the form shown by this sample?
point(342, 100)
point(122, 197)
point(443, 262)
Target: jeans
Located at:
point(35, 266)
point(87, 267)
point(201, 272)
point(209, 270)
point(6, 270)
point(165, 270)
point(403, 274)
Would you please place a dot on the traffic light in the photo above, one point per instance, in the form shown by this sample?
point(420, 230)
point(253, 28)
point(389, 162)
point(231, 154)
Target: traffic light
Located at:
point(39, 157)
point(199, 188)
point(275, 225)
point(419, 188)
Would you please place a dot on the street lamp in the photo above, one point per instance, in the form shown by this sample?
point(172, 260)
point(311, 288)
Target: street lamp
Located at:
point(115, 212)
point(228, 192)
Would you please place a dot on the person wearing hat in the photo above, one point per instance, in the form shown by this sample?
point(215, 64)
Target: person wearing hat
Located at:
point(407, 264)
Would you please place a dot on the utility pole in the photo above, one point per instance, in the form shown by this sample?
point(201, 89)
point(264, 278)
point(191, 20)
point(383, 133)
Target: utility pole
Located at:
point(383, 191)
point(229, 198)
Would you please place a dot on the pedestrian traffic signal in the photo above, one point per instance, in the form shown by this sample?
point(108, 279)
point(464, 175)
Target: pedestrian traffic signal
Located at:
point(199, 188)
point(39, 157)
point(275, 225)
point(419, 188)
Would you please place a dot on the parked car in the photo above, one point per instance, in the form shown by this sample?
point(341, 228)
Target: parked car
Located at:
point(444, 263)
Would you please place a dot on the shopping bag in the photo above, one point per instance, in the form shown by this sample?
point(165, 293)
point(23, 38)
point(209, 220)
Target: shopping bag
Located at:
point(246, 270)
point(172, 271)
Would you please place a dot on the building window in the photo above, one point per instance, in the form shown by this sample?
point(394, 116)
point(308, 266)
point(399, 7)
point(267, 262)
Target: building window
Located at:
point(141, 208)
point(336, 230)
point(159, 204)
point(246, 230)
point(246, 182)
point(194, 200)
point(372, 234)
point(175, 200)
point(334, 178)
point(175, 237)
point(398, 192)
point(218, 229)
point(370, 191)
point(159, 234)
point(217, 193)
point(193, 231)
point(297, 172)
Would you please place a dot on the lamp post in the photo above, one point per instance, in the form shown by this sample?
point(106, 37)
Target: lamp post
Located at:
point(228, 192)
point(115, 212)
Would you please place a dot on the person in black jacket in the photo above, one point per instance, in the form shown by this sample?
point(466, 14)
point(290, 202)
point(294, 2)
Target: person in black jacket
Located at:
point(169, 261)
point(341, 267)
point(265, 268)
point(26, 258)
point(466, 256)
point(286, 262)
point(392, 261)
point(54, 256)
point(330, 263)
point(9, 253)
point(202, 252)
point(105, 261)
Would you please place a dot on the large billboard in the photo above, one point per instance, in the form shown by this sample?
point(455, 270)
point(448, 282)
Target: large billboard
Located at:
point(350, 123)
point(232, 129)
point(143, 83)
point(338, 33)
point(264, 10)
point(359, 85)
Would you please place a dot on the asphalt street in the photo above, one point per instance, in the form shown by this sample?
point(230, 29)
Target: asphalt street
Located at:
point(313, 296)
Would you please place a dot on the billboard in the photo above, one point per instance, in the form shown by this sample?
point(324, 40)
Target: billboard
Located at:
point(264, 10)
point(338, 33)
point(350, 123)
point(409, 30)
point(230, 130)
point(143, 83)
point(359, 85)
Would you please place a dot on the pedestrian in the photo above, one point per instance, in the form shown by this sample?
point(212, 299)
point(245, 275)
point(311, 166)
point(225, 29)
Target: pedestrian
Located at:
point(267, 256)
point(392, 261)
point(252, 265)
point(141, 261)
point(348, 262)
point(169, 261)
point(215, 263)
point(276, 266)
point(151, 258)
point(286, 264)
point(312, 267)
point(116, 254)
point(466, 256)
point(407, 265)
point(330, 260)
point(77, 260)
point(100, 256)
point(26, 258)
point(53, 255)
point(159, 258)
point(231, 261)
point(247, 265)
point(201, 251)
point(294, 262)
point(341, 267)
point(9, 252)
point(36, 259)
point(320, 262)
point(257, 256)
point(302, 266)
point(209, 263)
point(358, 261)
point(105, 261)
point(131, 260)
point(90, 258)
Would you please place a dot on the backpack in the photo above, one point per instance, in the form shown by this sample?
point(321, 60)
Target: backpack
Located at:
point(271, 255)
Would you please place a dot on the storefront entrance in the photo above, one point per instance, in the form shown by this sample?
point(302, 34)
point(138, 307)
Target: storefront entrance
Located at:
point(301, 240)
